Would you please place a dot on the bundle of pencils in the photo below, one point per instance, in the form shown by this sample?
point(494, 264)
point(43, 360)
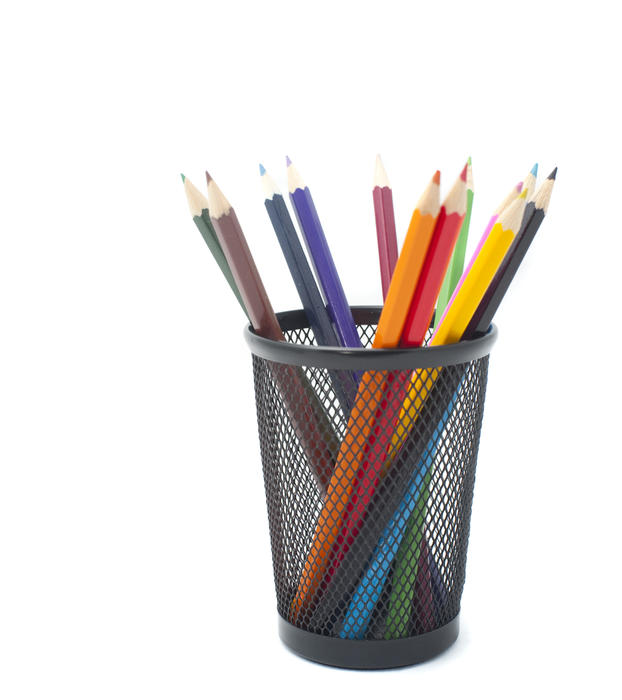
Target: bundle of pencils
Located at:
point(352, 456)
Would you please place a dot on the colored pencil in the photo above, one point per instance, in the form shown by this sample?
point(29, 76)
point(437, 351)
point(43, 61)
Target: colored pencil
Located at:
point(372, 583)
point(529, 183)
point(385, 226)
point(197, 202)
point(408, 570)
point(391, 542)
point(422, 608)
point(388, 498)
point(311, 425)
point(459, 313)
point(456, 264)
point(245, 273)
point(436, 263)
point(535, 211)
point(321, 259)
point(406, 564)
point(408, 267)
point(439, 589)
point(380, 396)
point(509, 198)
point(297, 262)
point(304, 281)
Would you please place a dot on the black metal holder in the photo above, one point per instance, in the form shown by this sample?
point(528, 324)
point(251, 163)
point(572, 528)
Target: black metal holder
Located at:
point(386, 589)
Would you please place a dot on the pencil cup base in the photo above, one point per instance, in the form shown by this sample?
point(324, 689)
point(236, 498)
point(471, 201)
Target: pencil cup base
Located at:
point(368, 654)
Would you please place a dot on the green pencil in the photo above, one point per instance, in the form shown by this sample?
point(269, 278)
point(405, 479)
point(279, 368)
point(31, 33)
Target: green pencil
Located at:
point(456, 264)
point(407, 567)
point(200, 215)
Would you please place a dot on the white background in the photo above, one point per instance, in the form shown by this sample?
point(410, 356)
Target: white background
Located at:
point(127, 567)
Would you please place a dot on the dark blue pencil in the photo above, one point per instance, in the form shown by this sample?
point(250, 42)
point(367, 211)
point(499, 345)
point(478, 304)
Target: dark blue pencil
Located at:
point(307, 288)
point(296, 260)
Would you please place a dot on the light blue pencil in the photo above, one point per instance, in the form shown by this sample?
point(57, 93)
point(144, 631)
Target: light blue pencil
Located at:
point(369, 589)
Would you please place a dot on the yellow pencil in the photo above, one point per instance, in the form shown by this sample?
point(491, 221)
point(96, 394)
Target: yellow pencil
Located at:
point(458, 315)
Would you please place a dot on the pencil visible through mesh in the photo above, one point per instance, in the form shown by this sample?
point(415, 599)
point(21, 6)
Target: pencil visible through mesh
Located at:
point(394, 564)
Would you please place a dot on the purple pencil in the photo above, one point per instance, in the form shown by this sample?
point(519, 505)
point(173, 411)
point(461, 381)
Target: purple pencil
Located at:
point(321, 259)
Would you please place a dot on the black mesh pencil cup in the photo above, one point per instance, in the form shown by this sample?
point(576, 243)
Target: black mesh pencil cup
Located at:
point(369, 464)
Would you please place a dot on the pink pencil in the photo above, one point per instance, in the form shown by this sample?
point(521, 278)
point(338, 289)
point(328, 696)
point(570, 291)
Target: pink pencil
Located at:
point(385, 226)
point(512, 195)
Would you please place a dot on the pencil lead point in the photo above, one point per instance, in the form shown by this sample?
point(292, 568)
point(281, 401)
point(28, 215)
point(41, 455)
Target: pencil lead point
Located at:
point(262, 170)
point(553, 175)
point(519, 186)
point(288, 162)
point(523, 195)
point(208, 177)
point(464, 172)
point(437, 178)
point(183, 177)
point(534, 170)
point(469, 161)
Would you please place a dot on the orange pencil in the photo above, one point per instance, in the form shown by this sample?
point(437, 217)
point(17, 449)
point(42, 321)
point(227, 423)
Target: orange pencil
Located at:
point(354, 463)
point(408, 267)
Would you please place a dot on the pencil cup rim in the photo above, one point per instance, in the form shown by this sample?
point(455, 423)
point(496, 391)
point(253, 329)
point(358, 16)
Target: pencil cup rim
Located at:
point(364, 358)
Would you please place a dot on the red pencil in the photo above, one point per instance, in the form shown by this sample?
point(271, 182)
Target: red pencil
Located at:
point(385, 226)
point(436, 263)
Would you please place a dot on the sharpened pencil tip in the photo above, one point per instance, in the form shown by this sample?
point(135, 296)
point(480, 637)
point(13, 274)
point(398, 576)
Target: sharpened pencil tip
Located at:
point(288, 161)
point(553, 175)
point(523, 195)
point(464, 172)
point(437, 178)
point(534, 170)
point(183, 177)
point(469, 161)
point(208, 177)
point(262, 170)
point(519, 186)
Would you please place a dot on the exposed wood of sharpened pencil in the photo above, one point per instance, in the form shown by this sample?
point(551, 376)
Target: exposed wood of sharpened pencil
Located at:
point(535, 211)
point(529, 183)
point(385, 226)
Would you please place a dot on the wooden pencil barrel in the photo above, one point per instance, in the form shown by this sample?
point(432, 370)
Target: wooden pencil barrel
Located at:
point(369, 571)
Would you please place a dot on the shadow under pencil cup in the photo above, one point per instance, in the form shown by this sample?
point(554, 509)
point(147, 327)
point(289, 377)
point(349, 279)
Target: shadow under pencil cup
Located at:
point(369, 523)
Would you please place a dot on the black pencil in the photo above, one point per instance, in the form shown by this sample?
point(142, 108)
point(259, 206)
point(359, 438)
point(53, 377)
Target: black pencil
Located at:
point(535, 211)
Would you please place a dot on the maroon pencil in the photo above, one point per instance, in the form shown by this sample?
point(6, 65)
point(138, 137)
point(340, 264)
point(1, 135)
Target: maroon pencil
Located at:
point(385, 226)
point(310, 422)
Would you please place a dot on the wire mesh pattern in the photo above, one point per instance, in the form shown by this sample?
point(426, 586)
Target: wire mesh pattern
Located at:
point(378, 549)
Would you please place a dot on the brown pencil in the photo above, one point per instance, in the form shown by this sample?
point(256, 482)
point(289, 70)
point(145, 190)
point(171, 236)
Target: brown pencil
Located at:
point(308, 417)
point(245, 273)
